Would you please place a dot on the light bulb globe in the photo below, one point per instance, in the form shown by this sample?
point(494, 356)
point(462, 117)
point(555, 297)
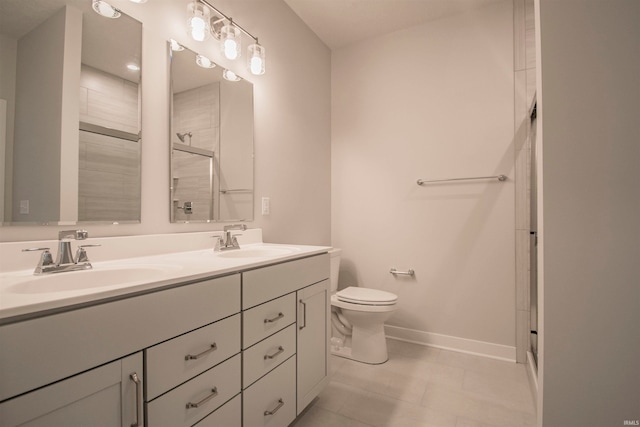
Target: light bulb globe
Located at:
point(256, 62)
point(230, 39)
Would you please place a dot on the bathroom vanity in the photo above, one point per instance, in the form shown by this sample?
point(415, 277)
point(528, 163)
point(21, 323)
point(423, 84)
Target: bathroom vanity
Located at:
point(220, 342)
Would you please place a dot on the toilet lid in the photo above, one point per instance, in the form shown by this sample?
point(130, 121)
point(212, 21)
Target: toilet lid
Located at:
point(358, 295)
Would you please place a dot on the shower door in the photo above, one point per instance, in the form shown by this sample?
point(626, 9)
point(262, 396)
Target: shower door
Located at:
point(192, 184)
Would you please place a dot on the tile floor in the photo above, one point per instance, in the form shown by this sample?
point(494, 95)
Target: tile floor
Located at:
point(423, 387)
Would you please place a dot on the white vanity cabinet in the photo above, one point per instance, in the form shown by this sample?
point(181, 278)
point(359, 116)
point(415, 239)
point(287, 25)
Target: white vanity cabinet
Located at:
point(49, 357)
point(249, 348)
point(109, 396)
point(285, 339)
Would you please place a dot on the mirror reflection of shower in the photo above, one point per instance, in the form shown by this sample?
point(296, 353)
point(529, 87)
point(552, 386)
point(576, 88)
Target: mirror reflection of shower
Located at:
point(181, 136)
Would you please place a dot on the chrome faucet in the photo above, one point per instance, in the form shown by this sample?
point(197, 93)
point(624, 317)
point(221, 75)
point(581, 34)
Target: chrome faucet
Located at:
point(64, 245)
point(65, 260)
point(229, 241)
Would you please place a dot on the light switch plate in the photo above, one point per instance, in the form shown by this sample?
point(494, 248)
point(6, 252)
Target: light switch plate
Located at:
point(24, 206)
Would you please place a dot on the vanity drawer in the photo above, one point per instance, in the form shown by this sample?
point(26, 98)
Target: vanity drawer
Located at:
point(264, 284)
point(272, 400)
point(176, 408)
point(268, 318)
point(229, 415)
point(175, 361)
point(267, 354)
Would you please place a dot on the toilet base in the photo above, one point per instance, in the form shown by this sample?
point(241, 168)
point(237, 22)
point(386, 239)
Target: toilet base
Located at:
point(366, 345)
point(345, 353)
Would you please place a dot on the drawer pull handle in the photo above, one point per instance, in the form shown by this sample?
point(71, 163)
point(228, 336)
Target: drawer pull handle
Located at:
point(196, 356)
point(274, 319)
point(274, 410)
point(214, 393)
point(304, 315)
point(134, 377)
point(271, 356)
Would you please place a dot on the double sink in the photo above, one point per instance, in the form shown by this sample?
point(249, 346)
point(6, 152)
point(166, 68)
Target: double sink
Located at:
point(108, 275)
point(22, 292)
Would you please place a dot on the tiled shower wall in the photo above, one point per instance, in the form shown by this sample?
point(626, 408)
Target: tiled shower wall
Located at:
point(109, 168)
point(196, 111)
point(525, 86)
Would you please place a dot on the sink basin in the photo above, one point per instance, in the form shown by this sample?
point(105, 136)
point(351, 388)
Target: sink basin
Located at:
point(258, 252)
point(88, 279)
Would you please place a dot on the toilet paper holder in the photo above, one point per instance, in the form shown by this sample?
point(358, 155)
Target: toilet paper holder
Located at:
point(409, 272)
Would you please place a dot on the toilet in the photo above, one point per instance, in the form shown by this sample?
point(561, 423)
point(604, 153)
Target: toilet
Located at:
point(357, 319)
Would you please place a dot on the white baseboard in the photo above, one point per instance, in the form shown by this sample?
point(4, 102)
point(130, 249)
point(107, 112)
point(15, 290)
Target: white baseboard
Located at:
point(448, 342)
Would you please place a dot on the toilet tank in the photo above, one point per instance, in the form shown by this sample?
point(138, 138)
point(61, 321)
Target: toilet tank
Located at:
point(334, 268)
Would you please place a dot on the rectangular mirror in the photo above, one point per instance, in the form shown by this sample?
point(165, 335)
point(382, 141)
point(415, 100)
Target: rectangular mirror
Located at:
point(211, 142)
point(69, 114)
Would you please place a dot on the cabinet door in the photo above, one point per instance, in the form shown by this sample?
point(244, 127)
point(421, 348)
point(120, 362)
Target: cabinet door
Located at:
point(106, 396)
point(313, 342)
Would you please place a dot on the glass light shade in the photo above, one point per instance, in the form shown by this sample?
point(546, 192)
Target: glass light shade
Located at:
point(204, 62)
point(230, 41)
point(133, 67)
point(175, 46)
point(230, 75)
point(198, 23)
point(256, 59)
point(105, 9)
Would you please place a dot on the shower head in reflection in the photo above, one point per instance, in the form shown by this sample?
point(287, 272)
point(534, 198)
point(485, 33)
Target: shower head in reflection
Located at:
point(182, 135)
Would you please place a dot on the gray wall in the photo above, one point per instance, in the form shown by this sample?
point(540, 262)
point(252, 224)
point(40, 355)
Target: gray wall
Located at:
point(434, 101)
point(43, 118)
point(589, 86)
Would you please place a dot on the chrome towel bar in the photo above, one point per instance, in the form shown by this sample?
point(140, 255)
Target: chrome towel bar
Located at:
point(498, 177)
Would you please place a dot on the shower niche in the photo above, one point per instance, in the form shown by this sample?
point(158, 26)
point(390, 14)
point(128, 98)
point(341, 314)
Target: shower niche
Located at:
point(211, 141)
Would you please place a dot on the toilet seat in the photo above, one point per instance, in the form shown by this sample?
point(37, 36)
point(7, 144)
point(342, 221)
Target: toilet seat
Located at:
point(343, 305)
point(366, 296)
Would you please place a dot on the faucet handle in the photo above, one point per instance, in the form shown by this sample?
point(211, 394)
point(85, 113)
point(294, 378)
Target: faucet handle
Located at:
point(81, 254)
point(35, 249)
point(46, 259)
point(219, 242)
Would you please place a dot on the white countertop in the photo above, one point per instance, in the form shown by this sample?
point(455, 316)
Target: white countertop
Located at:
point(22, 295)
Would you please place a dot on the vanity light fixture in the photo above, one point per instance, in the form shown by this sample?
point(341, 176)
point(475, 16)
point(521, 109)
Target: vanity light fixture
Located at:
point(105, 9)
point(229, 33)
point(198, 21)
point(231, 76)
point(204, 62)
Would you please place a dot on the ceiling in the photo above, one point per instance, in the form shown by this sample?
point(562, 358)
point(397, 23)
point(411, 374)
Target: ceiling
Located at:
point(342, 22)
